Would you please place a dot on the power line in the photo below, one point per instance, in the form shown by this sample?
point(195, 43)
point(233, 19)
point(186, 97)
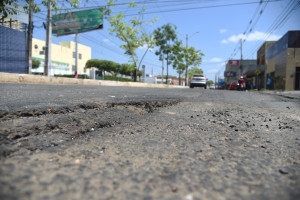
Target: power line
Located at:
point(179, 3)
point(249, 25)
point(289, 10)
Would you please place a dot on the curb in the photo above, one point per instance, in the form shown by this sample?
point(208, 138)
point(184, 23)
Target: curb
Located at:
point(286, 94)
point(38, 79)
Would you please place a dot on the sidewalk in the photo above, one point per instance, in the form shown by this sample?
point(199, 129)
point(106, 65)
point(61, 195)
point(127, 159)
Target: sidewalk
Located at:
point(38, 79)
point(295, 94)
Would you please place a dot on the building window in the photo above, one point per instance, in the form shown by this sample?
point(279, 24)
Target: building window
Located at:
point(80, 56)
point(73, 68)
point(84, 69)
point(42, 52)
point(74, 54)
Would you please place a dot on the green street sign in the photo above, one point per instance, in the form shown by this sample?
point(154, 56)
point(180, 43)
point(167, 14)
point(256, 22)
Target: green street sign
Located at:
point(77, 22)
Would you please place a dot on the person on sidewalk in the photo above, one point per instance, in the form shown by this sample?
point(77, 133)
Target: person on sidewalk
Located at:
point(269, 82)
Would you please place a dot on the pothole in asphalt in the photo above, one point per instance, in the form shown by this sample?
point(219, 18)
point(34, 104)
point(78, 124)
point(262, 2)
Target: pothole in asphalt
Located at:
point(37, 128)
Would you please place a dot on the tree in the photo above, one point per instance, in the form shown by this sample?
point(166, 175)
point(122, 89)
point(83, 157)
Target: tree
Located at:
point(210, 82)
point(103, 65)
point(11, 7)
point(177, 58)
point(192, 57)
point(35, 63)
point(131, 33)
point(127, 69)
point(165, 36)
point(194, 70)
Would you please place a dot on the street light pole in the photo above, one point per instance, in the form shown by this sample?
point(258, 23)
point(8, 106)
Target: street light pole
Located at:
point(30, 29)
point(76, 53)
point(47, 63)
point(186, 61)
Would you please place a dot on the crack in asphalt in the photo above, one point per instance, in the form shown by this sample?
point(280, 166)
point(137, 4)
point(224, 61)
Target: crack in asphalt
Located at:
point(145, 106)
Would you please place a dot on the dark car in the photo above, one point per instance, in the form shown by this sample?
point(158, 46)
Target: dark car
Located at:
point(234, 86)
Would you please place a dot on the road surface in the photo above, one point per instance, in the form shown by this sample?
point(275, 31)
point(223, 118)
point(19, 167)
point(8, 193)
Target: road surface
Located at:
point(93, 142)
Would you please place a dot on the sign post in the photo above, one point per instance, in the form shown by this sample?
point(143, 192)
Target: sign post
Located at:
point(257, 72)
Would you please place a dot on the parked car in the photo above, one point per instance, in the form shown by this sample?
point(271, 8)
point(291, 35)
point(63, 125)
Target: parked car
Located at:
point(198, 80)
point(233, 86)
point(212, 87)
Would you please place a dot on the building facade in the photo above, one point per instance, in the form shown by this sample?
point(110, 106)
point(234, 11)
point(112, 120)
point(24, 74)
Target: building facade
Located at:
point(13, 51)
point(237, 68)
point(13, 42)
point(283, 62)
point(261, 63)
point(62, 57)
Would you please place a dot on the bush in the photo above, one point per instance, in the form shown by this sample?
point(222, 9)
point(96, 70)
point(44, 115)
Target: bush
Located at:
point(102, 65)
point(35, 63)
point(114, 78)
point(81, 76)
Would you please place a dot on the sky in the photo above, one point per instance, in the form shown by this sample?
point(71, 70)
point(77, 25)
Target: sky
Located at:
point(216, 27)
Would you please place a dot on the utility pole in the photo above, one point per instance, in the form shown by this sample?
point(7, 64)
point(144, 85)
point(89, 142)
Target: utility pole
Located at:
point(167, 66)
point(180, 72)
point(144, 73)
point(241, 67)
point(216, 75)
point(29, 42)
point(162, 71)
point(48, 40)
point(76, 52)
point(186, 63)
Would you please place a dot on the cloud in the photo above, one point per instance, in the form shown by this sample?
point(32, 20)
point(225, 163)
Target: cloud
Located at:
point(255, 36)
point(108, 42)
point(212, 71)
point(214, 60)
point(224, 41)
point(145, 47)
point(223, 31)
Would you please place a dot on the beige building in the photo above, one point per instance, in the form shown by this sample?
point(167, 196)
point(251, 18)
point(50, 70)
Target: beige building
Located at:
point(283, 62)
point(62, 57)
point(18, 21)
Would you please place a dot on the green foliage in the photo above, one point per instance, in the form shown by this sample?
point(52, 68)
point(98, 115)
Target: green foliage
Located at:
point(177, 57)
point(193, 56)
point(103, 65)
point(127, 69)
point(194, 70)
point(210, 82)
point(164, 36)
point(13, 6)
point(113, 67)
point(114, 78)
point(140, 73)
point(35, 63)
point(130, 31)
point(81, 76)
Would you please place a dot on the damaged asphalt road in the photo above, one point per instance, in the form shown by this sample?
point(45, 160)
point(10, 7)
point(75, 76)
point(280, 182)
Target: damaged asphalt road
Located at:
point(91, 142)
